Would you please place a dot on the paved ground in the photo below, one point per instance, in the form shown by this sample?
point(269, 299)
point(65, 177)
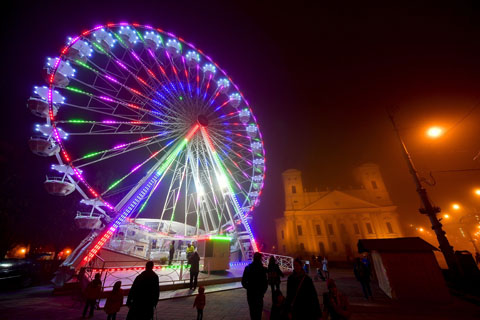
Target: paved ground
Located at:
point(38, 303)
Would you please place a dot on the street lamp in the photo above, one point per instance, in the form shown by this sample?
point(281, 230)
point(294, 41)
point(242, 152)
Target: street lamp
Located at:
point(428, 209)
point(456, 206)
point(477, 192)
point(434, 132)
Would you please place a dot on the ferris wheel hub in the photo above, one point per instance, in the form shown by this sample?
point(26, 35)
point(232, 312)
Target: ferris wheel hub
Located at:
point(202, 120)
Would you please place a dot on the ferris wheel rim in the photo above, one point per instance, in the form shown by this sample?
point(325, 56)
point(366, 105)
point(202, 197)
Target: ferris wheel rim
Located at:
point(64, 158)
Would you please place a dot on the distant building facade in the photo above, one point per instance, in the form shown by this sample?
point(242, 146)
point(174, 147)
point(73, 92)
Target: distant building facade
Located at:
point(331, 222)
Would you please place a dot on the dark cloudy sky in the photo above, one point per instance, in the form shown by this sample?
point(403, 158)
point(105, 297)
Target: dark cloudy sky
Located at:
point(318, 77)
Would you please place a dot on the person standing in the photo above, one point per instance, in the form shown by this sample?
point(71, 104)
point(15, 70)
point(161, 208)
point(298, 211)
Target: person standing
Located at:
point(274, 275)
point(335, 303)
point(362, 274)
point(254, 279)
point(200, 301)
point(114, 301)
point(189, 251)
point(302, 299)
point(144, 294)
point(194, 269)
point(171, 252)
point(326, 274)
point(92, 293)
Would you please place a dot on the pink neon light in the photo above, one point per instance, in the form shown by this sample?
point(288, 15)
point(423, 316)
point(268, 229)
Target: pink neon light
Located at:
point(120, 146)
point(107, 99)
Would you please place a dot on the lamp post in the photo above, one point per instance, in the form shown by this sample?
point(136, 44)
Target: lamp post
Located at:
point(428, 209)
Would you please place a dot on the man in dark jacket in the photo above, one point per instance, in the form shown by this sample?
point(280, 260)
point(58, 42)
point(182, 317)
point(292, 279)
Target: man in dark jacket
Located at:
point(255, 281)
point(144, 294)
point(92, 293)
point(194, 262)
point(302, 299)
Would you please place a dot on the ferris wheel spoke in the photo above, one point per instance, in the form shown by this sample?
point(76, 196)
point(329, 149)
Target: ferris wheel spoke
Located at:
point(110, 153)
point(215, 201)
point(229, 171)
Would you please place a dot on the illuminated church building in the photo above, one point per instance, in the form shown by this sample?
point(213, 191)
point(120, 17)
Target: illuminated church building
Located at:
point(331, 222)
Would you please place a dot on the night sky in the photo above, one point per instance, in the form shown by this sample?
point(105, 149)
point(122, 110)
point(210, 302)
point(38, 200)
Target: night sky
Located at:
point(318, 78)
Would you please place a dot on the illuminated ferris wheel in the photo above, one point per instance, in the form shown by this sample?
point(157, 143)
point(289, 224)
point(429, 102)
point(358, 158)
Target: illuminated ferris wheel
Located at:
point(144, 125)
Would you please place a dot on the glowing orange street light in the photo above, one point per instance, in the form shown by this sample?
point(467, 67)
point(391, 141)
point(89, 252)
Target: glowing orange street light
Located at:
point(421, 229)
point(23, 250)
point(477, 192)
point(434, 132)
point(456, 206)
point(446, 216)
point(67, 251)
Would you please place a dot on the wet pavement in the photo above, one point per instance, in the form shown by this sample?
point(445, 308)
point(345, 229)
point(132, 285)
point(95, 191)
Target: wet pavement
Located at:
point(228, 301)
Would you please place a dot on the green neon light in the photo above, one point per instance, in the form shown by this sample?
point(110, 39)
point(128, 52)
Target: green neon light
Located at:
point(139, 35)
point(119, 38)
point(77, 121)
point(114, 184)
point(93, 154)
point(99, 47)
point(85, 65)
point(181, 98)
point(73, 89)
point(222, 238)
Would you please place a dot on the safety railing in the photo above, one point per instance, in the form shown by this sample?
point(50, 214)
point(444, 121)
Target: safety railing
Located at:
point(284, 262)
point(177, 272)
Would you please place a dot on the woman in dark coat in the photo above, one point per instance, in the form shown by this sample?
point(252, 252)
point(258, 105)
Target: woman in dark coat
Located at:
point(302, 299)
point(274, 275)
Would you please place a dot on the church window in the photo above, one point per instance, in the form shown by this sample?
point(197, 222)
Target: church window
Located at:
point(389, 227)
point(334, 246)
point(294, 189)
point(283, 235)
point(330, 229)
point(319, 231)
point(369, 228)
point(322, 248)
point(356, 228)
point(299, 230)
point(374, 185)
point(302, 246)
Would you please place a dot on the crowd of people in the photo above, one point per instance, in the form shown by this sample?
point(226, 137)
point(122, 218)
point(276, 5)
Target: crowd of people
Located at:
point(300, 302)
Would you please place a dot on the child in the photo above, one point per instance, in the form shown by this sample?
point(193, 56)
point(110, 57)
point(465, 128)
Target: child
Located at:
point(114, 301)
point(200, 302)
point(279, 308)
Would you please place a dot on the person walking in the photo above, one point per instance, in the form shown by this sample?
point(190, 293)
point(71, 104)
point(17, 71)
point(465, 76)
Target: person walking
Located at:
point(274, 275)
point(144, 294)
point(335, 303)
point(254, 279)
point(92, 294)
point(171, 252)
point(326, 274)
point(302, 299)
point(200, 301)
point(362, 274)
point(114, 301)
point(194, 269)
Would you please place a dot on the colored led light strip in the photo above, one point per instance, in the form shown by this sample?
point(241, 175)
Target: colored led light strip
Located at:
point(134, 202)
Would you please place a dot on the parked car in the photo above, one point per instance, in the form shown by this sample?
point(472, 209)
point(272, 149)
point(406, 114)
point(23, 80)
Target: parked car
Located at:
point(16, 272)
